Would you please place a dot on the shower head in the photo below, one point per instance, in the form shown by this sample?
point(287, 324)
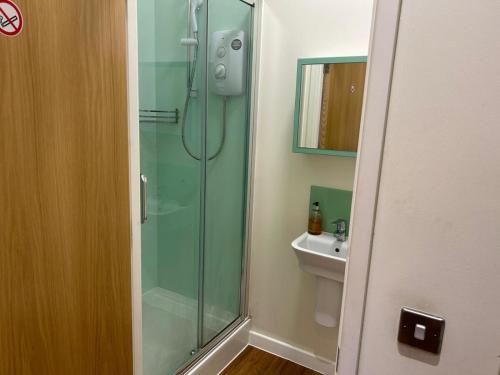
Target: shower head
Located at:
point(195, 5)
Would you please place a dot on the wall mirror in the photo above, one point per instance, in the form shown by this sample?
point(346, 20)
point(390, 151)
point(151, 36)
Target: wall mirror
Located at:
point(328, 104)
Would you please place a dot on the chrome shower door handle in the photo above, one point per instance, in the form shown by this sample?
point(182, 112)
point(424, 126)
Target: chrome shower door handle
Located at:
point(144, 199)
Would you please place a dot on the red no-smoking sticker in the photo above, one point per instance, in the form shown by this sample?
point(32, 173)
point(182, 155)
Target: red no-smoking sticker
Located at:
point(11, 19)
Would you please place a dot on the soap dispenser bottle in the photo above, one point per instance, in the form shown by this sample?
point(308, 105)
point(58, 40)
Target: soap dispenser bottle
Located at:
point(315, 221)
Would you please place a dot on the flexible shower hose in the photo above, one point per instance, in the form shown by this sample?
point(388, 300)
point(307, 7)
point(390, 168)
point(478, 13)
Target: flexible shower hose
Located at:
point(186, 107)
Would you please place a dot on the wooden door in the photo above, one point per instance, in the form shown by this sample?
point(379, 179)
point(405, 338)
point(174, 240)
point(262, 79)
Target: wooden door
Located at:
point(343, 88)
point(65, 294)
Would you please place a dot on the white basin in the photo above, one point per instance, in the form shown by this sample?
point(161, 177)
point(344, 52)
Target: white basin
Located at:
point(324, 256)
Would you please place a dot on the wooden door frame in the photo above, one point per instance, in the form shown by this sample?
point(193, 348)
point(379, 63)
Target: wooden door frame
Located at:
point(385, 24)
point(134, 172)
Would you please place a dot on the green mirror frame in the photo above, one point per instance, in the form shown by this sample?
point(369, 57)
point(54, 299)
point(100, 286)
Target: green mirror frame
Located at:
point(298, 91)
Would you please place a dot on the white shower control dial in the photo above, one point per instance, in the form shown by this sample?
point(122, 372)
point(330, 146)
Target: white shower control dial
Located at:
point(220, 71)
point(227, 62)
point(221, 52)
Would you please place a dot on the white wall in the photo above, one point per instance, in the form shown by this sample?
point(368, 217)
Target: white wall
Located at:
point(281, 295)
point(437, 234)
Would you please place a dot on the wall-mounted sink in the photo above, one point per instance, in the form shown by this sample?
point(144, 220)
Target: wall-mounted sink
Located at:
point(325, 257)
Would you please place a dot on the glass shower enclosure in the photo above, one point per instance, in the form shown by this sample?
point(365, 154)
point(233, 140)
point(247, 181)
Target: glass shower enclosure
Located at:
point(194, 85)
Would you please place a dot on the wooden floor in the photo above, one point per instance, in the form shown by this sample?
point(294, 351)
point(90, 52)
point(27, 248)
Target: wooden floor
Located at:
point(253, 361)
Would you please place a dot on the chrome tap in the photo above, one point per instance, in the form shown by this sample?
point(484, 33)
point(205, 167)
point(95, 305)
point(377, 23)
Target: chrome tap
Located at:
point(339, 229)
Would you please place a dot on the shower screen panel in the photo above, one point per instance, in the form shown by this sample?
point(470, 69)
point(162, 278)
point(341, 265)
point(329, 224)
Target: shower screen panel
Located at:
point(194, 82)
point(229, 30)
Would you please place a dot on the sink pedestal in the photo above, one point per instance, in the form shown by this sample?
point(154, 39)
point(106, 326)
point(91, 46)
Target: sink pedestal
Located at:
point(328, 301)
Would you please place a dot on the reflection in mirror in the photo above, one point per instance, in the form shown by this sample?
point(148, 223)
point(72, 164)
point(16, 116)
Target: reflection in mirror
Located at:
point(329, 113)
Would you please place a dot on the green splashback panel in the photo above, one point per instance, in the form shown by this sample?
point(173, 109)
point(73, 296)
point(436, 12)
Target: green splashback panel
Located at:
point(334, 204)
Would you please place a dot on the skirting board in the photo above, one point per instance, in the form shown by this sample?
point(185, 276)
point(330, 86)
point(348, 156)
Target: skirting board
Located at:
point(237, 341)
point(293, 354)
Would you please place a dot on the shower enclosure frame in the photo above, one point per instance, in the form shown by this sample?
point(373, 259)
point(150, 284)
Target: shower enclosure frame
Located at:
point(134, 183)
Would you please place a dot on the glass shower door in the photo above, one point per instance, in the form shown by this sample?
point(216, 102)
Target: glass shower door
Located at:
point(171, 233)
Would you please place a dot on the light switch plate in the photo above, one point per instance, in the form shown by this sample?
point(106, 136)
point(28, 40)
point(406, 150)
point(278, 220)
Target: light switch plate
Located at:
point(421, 330)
